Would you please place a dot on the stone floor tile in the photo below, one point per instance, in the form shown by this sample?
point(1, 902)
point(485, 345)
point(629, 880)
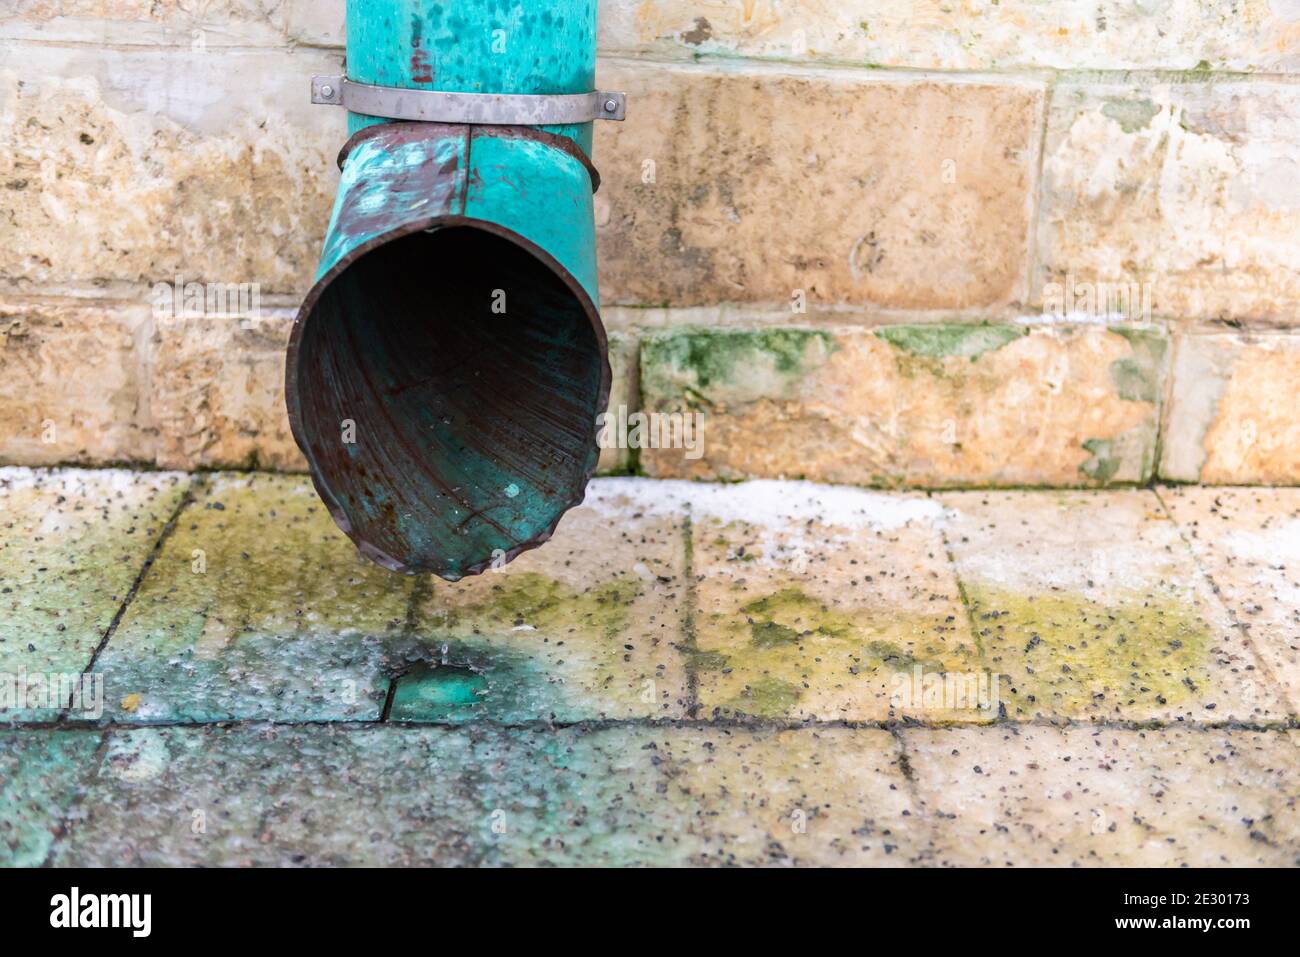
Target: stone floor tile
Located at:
point(1248, 541)
point(1091, 606)
point(484, 795)
point(827, 796)
point(826, 603)
point(71, 545)
point(588, 626)
point(39, 774)
point(1047, 796)
point(257, 607)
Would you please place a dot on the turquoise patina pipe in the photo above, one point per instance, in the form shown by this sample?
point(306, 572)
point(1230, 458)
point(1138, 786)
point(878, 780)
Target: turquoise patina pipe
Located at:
point(475, 46)
point(446, 370)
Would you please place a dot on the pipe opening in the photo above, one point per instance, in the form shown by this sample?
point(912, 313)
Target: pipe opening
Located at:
point(447, 389)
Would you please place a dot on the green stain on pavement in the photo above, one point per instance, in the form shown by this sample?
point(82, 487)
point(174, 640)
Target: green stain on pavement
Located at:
point(698, 661)
point(968, 341)
point(530, 599)
point(781, 642)
point(794, 606)
point(892, 656)
point(789, 616)
point(1070, 655)
point(766, 697)
point(768, 633)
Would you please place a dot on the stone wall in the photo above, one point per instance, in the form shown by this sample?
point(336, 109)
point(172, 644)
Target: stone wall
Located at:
point(888, 242)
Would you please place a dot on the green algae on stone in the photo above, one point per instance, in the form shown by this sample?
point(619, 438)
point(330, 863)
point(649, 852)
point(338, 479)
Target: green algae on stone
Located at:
point(1132, 382)
point(775, 644)
point(1126, 457)
point(706, 660)
point(529, 599)
point(1104, 464)
point(768, 633)
point(1131, 115)
point(1140, 377)
point(942, 341)
point(794, 605)
point(1135, 655)
point(765, 697)
point(700, 367)
point(40, 772)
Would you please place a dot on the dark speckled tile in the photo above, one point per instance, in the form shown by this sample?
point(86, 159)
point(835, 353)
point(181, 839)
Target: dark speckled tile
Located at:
point(1248, 541)
point(72, 542)
point(395, 795)
point(1045, 796)
point(40, 772)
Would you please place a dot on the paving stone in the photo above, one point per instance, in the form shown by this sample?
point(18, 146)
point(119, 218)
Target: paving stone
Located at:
point(39, 775)
point(257, 607)
point(71, 377)
point(586, 627)
point(1188, 187)
point(140, 164)
point(1092, 607)
point(933, 405)
point(370, 796)
point(1040, 796)
point(71, 545)
point(756, 186)
point(823, 603)
point(821, 797)
point(1232, 414)
point(1248, 542)
point(938, 35)
point(217, 392)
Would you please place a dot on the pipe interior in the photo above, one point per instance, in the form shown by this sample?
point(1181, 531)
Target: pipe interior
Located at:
point(448, 386)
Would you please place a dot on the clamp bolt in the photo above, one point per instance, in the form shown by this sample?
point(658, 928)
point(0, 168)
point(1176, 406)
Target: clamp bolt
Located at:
point(611, 106)
point(327, 91)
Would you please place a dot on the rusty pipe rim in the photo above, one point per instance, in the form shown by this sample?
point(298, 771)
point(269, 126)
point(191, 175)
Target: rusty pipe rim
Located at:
point(296, 424)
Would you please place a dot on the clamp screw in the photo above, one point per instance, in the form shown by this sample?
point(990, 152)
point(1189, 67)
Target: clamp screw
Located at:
point(611, 106)
point(327, 91)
